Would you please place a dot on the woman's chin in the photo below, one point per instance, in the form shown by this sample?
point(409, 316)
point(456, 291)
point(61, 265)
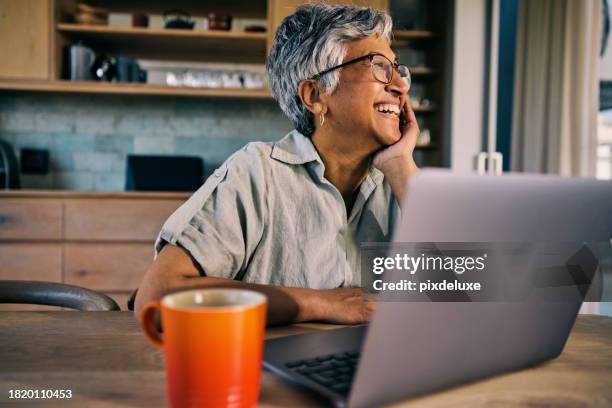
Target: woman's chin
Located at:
point(388, 138)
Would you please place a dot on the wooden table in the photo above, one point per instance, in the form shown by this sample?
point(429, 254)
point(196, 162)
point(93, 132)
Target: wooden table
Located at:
point(107, 362)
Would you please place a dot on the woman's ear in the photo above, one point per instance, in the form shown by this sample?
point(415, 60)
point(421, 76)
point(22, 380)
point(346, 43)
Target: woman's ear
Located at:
point(308, 92)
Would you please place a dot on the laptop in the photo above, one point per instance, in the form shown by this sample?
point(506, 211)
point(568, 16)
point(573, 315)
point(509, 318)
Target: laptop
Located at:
point(413, 348)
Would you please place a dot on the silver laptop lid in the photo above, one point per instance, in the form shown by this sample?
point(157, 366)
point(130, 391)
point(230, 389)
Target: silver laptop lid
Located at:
point(415, 348)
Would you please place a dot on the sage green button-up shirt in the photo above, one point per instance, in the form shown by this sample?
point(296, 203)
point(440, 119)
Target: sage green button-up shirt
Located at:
point(269, 216)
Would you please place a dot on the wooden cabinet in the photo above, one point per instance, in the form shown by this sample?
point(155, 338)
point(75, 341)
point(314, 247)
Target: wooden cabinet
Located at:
point(101, 241)
point(107, 267)
point(37, 33)
point(422, 39)
point(115, 219)
point(25, 29)
point(278, 10)
point(27, 219)
point(25, 261)
point(40, 30)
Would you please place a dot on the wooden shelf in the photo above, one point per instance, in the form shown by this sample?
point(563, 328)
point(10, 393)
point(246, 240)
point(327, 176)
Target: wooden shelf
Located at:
point(143, 89)
point(430, 146)
point(422, 71)
point(423, 109)
point(155, 43)
point(413, 34)
point(159, 32)
point(413, 38)
point(132, 89)
point(236, 8)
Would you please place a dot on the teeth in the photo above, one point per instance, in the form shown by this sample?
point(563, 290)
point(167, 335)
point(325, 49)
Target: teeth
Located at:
point(388, 108)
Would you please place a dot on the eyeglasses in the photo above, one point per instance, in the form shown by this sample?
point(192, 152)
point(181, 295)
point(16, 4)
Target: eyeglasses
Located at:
point(382, 68)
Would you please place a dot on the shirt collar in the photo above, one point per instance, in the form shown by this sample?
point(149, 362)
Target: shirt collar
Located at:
point(376, 175)
point(295, 148)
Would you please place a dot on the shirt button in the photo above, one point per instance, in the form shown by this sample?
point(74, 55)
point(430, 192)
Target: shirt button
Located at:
point(218, 173)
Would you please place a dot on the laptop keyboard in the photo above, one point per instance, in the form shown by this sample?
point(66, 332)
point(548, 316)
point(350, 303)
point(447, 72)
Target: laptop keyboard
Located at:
point(333, 371)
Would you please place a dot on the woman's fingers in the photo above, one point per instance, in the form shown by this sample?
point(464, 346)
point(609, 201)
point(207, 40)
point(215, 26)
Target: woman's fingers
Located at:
point(410, 117)
point(350, 306)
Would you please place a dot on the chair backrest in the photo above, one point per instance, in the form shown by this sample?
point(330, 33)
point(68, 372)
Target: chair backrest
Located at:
point(55, 294)
point(132, 300)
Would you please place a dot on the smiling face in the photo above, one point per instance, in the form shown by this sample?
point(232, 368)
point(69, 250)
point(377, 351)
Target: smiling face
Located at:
point(363, 108)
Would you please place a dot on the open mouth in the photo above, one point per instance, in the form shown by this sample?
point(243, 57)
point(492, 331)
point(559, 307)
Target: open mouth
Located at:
point(388, 110)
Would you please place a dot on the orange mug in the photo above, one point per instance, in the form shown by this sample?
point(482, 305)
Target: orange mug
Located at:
point(213, 344)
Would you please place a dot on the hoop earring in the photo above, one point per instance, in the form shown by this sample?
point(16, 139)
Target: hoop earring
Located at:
point(322, 119)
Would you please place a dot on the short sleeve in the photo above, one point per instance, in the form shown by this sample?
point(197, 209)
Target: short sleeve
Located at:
point(222, 222)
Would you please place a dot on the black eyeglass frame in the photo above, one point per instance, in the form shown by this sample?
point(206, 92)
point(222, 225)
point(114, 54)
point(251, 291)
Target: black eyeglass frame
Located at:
point(369, 56)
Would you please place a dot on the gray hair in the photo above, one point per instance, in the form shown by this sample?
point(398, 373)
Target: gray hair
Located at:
point(310, 41)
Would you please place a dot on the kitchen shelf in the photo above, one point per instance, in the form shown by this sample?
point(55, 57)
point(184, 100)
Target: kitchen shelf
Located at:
point(422, 71)
point(176, 44)
point(236, 8)
point(430, 146)
point(413, 34)
point(95, 87)
point(132, 89)
point(413, 38)
point(424, 109)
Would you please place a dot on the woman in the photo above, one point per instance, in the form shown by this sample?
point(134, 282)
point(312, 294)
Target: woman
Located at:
point(286, 219)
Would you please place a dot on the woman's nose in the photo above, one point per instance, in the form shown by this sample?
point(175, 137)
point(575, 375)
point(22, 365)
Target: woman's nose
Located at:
point(397, 85)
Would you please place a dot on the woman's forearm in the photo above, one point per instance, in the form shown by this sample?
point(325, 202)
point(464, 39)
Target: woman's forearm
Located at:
point(174, 270)
point(398, 173)
point(285, 305)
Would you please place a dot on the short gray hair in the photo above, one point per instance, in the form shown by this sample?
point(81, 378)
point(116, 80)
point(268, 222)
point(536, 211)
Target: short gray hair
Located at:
point(310, 41)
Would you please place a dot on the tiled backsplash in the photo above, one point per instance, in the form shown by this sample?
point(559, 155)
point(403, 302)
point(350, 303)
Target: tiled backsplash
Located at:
point(89, 136)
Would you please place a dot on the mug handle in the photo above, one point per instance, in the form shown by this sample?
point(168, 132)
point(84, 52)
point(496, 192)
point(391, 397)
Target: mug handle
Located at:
point(147, 321)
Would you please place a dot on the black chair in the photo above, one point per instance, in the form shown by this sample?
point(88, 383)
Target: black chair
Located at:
point(132, 300)
point(55, 294)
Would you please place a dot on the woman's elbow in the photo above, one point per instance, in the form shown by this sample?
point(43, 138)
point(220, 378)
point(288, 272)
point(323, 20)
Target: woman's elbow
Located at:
point(148, 291)
point(168, 272)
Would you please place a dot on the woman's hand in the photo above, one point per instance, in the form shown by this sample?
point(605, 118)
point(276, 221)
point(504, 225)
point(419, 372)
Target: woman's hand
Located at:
point(343, 306)
point(396, 161)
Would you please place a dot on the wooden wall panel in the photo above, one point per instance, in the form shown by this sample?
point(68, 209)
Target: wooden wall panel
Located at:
point(42, 262)
point(30, 261)
point(25, 30)
point(107, 267)
point(29, 219)
point(118, 220)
